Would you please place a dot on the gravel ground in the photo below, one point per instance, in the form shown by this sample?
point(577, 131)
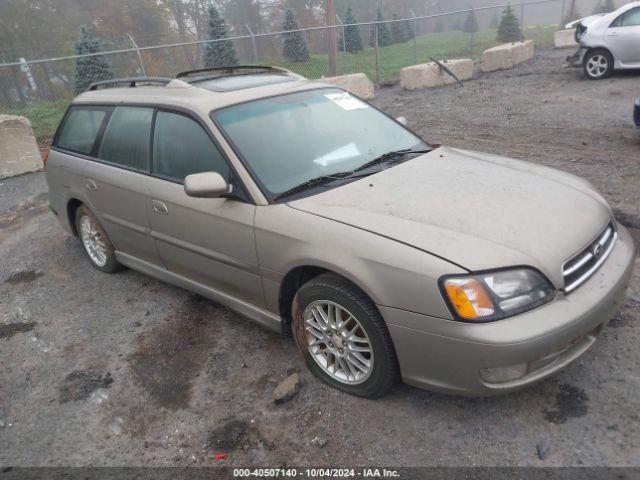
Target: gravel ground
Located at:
point(121, 369)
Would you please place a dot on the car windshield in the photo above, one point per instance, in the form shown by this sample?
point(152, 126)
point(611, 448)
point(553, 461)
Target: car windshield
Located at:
point(290, 139)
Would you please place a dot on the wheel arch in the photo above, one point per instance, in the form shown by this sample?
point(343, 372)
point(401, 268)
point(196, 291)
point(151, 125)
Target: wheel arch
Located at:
point(72, 207)
point(298, 276)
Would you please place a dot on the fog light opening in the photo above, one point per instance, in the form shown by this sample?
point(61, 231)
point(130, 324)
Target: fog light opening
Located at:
point(504, 374)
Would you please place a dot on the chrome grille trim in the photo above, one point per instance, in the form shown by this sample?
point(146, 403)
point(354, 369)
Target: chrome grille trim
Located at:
point(578, 269)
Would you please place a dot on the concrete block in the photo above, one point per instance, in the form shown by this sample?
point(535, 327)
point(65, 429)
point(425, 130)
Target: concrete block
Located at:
point(498, 58)
point(522, 51)
point(19, 151)
point(429, 75)
point(356, 83)
point(565, 39)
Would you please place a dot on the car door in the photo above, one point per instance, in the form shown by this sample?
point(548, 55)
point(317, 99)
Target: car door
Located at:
point(207, 240)
point(115, 181)
point(623, 38)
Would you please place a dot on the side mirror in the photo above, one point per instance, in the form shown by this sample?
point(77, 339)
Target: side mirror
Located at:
point(206, 185)
point(402, 121)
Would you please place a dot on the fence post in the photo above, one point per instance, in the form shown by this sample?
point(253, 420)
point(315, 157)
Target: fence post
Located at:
point(522, 19)
point(414, 24)
point(376, 47)
point(344, 45)
point(562, 13)
point(253, 41)
point(333, 44)
point(135, 45)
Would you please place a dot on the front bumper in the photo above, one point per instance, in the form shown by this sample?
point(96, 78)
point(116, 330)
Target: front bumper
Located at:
point(445, 355)
point(576, 59)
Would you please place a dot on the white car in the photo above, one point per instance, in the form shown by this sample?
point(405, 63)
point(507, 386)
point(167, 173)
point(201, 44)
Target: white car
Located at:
point(608, 42)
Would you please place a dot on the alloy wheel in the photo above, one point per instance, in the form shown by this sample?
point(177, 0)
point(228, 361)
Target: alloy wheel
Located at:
point(338, 342)
point(93, 241)
point(597, 65)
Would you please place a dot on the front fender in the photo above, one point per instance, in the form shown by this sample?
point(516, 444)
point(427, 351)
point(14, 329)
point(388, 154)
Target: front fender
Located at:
point(391, 273)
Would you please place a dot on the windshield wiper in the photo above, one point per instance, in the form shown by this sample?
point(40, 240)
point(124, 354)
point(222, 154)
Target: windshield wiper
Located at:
point(350, 174)
point(312, 183)
point(387, 156)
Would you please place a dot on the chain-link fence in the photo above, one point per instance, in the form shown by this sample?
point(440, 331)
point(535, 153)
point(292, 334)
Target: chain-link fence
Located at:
point(41, 88)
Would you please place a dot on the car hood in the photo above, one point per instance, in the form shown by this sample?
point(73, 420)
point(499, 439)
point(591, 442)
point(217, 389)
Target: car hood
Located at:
point(586, 21)
point(476, 210)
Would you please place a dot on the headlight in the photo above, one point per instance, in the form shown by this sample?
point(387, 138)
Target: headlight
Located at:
point(489, 296)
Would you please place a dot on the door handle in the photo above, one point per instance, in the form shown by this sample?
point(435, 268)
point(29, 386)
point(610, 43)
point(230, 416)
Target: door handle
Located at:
point(159, 207)
point(90, 185)
point(613, 34)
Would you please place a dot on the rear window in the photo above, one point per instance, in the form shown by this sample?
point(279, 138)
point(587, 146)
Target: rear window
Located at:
point(126, 138)
point(80, 129)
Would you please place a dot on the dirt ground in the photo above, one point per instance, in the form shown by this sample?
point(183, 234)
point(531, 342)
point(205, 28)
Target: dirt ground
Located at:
point(109, 370)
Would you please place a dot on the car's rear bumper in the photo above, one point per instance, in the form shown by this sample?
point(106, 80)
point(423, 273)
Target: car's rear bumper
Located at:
point(447, 356)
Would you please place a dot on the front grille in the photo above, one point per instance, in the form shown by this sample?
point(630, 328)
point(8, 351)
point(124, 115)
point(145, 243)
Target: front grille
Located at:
point(578, 269)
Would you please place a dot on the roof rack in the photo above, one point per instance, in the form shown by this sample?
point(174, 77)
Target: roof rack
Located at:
point(217, 72)
point(133, 82)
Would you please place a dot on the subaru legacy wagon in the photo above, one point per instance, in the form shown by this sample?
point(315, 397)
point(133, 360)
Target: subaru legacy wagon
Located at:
point(311, 212)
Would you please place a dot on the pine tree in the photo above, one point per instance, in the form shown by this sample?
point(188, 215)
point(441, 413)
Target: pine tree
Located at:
point(409, 32)
point(439, 28)
point(294, 47)
point(351, 34)
point(397, 33)
point(604, 7)
point(90, 69)
point(471, 23)
point(384, 37)
point(220, 53)
point(495, 21)
point(509, 29)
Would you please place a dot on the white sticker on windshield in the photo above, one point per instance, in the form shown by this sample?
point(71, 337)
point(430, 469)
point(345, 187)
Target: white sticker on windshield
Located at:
point(346, 101)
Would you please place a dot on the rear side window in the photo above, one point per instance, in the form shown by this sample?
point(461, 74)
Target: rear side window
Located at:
point(628, 19)
point(126, 138)
point(81, 128)
point(182, 147)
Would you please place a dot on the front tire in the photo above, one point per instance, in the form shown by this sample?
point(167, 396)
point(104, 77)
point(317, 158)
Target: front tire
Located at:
point(343, 338)
point(95, 241)
point(598, 64)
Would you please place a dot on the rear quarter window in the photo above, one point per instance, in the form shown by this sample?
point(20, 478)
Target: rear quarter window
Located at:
point(80, 128)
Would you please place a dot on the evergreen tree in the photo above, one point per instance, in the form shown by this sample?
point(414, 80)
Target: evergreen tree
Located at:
point(606, 6)
point(509, 28)
point(495, 21)
point(220, 53)
point(384, 37)
point(439, 28)
point(351, 34)
point(408, 28)
point(471, 23)
point(90, 69)
point(398, 34)
point(294, 47)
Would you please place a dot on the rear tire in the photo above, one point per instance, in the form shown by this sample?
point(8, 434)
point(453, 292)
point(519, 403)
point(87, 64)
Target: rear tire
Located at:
point(95, 241)
point(343, 338)
point(597, 64)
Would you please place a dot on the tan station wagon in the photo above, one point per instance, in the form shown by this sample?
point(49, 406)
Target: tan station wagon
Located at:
point(311, 212)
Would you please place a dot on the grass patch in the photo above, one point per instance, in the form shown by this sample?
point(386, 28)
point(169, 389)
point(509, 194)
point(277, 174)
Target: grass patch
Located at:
point(44, 118)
